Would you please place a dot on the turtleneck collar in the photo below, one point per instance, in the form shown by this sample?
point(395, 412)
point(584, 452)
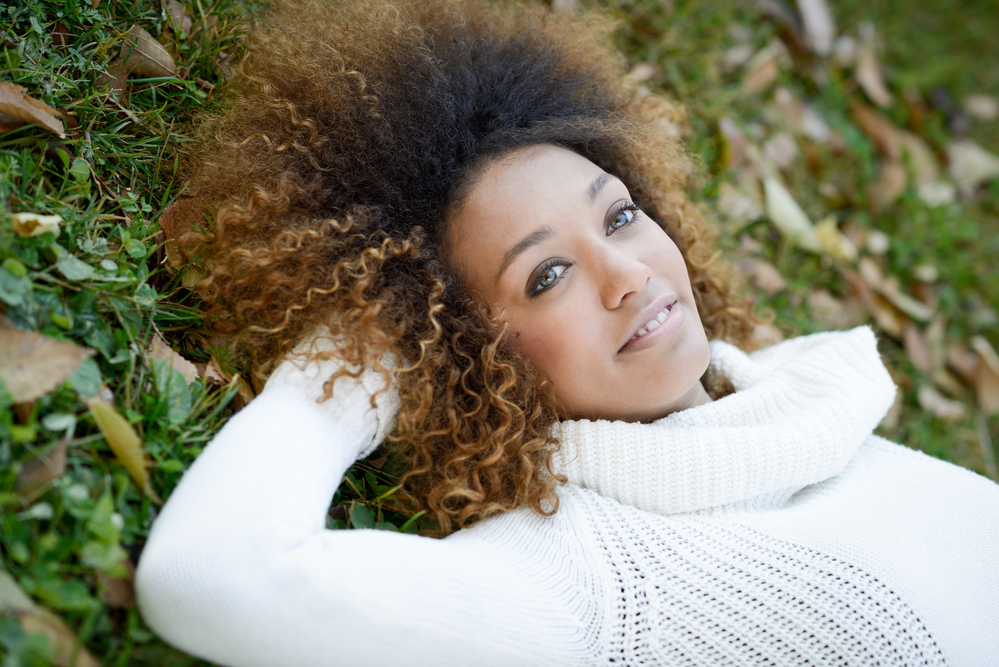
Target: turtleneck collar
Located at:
point(800, 411)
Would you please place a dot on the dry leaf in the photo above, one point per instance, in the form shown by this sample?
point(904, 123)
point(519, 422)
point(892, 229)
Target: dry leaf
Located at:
point(939, 405)
point(962, 360)
point(41, 470)
point(120, 591)
point(982, 107)
point(32, 365)
point(244, 394)
point(180, 17)
point(63, 643)
point(937, 193)
point(878, 129)
point(158, 349)
point(736, 57)
point(61, 36)
point(835, 244)
point(734, 143)
point(986, 376)
point(919, 156)
point(917, 348)
point(114, 79)
point(820, 29)
point(19, 107)
point(788, 216)
point(740, 203)
point(764, 275)
point(833, 313)
point(211, 373)
point(144, 56)
point(781, 149)
point(35, 224)
point(844, 52)
point(868, 70)
point(765, 335)
point(124, 442)
point(763, 68)
point(891, 290)
point(971, 165)
point(889, 185)
point(877, 242)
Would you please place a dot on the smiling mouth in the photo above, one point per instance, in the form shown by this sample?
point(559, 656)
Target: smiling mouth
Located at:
point(654, 323)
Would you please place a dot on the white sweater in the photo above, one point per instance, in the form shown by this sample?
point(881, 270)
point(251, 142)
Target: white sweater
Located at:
point(767, 528)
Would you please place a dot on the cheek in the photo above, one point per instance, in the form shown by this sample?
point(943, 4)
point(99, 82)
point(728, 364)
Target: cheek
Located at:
point(550, 345)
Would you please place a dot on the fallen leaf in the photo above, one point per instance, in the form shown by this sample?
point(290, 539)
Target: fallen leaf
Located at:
point(788, 216)
point(833, 313)
point(211, 373)
point(844, 52)
point(158, 349)
point(35, 224)
point(814, 126)
point(982, 107)
point(61, 36)
point(736, 57)
point(124, 442)
point(63, 643)
point(937, 193)
point(765, 335)
point(890, 288)
point(764, 275)
point(820, 29)
point(180, 17)
point(115, 78)
point(878, 129)
point(144, 56)
point(781, 149)
point(31, 365)
point(763, 68)
point(868, 71)
point(119, 591)
point(834, 242)
point(918, 156)
point(939, 405)
point(12, 599)
point(741, 205)
point(877, 242)
point(890, 184)
point(41, 470)
point(971, 165)
point(962, 360)
point(986, 376)
point(20, 108)
point(917, 348)
point(244, 393)
point(734, 143)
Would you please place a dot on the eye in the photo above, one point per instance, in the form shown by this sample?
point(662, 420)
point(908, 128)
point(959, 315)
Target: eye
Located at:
point(624, 215)
point(548, 276)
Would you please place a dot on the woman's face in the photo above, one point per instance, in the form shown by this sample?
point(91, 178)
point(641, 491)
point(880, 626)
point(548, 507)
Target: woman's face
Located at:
point(596, 295)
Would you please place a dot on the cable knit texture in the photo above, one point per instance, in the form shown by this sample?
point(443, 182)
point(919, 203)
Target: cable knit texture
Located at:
point(767, 528)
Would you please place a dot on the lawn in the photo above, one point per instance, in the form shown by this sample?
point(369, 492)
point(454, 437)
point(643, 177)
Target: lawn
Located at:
point(851, 180)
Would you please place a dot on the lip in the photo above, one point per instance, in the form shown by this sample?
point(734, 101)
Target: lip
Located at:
point(647, 314)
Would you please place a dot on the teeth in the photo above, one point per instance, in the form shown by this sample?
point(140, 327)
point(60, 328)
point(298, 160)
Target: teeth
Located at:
point(653, 323)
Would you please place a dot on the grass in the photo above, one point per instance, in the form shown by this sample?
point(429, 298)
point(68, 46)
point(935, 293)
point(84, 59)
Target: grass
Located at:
point(101, 283)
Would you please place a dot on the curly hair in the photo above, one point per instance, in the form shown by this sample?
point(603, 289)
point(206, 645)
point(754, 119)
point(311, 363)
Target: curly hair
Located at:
point(320, 197)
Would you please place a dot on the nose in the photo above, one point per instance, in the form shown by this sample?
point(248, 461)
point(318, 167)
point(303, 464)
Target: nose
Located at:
point(620, 274)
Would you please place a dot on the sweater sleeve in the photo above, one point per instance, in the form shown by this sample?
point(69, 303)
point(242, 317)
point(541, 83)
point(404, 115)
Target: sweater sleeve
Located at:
point(240, 569)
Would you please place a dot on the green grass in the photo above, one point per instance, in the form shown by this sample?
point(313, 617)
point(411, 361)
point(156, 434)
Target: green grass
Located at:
point(101, 283)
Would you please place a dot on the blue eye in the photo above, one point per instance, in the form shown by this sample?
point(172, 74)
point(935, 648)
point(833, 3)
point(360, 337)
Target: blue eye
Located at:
point(624, 216)
point(549, 276)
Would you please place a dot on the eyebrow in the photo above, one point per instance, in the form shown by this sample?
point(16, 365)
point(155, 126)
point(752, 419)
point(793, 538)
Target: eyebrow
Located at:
point(527, 242)
point(596, 185)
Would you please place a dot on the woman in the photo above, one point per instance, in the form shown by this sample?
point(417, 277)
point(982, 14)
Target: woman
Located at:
point(436, 205)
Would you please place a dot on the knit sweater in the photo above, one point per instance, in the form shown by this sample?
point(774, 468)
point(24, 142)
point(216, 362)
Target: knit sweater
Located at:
point(767, 528)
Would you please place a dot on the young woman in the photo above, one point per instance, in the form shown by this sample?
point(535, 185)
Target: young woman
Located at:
point(453, 228)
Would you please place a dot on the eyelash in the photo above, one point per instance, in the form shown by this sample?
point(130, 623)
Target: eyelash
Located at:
point(552, 263)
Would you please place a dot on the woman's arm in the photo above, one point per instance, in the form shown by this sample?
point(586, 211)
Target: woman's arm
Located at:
point(240, 569)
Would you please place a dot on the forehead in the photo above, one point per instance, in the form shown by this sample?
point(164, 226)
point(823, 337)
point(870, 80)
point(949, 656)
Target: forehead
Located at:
point(517, 195)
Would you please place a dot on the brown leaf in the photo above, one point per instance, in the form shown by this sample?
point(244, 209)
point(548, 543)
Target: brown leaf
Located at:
point(939, 405)
point(41, 470)
point(878, 129)
point(971, 165)
point(244, 394)
point(119, 591)
point(891, 290)
point(124, 442)
point(741, 204)
point(889, 185)
point(764, 275)
point(982, 107)
point(19, 107)
point(986, 376)
point(115, 78)
point(833, 313)
point(211, 373)
point(28, 224)
point(820, 29)
point(144, 56)
point(63, 645)
point(158, 349)
point(32, 365)
point(868, 70)
point(781, 149)
point(180, 17)
point(765, 335)
point(962, 360)
point(61, 36)
point(734, 143)
point(919, 156)
point(917, 348)
point(763, 68)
